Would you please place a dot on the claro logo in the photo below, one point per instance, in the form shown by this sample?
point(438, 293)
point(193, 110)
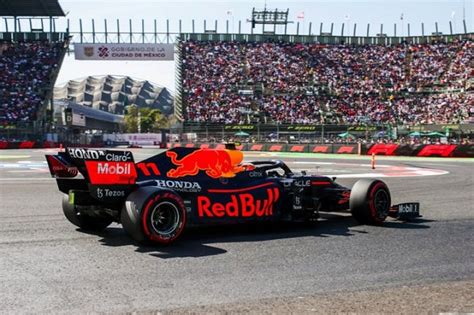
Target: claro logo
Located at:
point(113, 168)
point(239, 205)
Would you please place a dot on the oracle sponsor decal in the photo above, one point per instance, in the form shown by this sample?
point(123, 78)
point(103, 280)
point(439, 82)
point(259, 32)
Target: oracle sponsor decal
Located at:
point(302, 183)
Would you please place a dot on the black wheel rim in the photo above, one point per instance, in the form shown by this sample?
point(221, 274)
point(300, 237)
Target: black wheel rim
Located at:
point(165, 218)
point(381, 203)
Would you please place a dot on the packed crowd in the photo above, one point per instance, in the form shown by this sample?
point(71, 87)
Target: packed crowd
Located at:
point(26, 71)
point(313, 83)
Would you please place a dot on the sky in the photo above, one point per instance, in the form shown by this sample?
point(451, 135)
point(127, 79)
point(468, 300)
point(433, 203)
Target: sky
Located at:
point(348, 12)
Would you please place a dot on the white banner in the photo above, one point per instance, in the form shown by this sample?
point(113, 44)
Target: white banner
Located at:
point(134, 138)
point(78, 119)
point(124, 51)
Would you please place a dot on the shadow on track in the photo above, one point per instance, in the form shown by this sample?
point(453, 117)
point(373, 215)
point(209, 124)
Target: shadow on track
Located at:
point(195, 241)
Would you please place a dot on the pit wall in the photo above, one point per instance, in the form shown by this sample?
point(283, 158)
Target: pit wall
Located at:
point(435, 150)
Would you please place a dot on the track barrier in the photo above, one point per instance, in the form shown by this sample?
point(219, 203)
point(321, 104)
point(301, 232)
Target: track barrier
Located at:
point(425, 150)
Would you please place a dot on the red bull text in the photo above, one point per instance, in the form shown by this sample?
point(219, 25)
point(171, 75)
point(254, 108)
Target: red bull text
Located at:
point(240, 205)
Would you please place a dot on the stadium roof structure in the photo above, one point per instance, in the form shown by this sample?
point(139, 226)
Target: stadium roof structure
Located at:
point(95, 113)
point(30, 8)
point(111, 93)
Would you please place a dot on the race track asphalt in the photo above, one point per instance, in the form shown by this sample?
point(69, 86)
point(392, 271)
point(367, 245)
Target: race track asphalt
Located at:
point(46, 265)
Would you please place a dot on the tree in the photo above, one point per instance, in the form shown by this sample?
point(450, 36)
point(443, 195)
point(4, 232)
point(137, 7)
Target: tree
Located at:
point(131, 119)
point(151, 120)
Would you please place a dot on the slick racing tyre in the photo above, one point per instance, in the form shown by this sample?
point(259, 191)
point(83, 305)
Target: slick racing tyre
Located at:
point(370, 201)
point(154, 215)
point(85, 222)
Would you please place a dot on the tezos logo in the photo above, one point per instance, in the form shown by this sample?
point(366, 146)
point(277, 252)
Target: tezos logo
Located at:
point(109, 193)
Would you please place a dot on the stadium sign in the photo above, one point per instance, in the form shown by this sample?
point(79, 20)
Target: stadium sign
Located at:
point(124, 52)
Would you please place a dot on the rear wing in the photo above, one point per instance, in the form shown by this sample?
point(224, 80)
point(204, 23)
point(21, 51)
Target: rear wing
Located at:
point(98, 167)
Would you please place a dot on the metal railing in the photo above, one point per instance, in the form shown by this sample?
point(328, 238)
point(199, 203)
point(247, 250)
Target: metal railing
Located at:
point(167, 31)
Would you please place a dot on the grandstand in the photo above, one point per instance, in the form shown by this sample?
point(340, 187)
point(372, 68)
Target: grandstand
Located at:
point(29, 65)
point(281, 82)
point(227, 82)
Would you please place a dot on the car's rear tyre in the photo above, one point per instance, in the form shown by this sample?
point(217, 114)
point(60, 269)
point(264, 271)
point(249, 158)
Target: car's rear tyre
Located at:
point(153, 214)
point(370, 201)
point(83, 221)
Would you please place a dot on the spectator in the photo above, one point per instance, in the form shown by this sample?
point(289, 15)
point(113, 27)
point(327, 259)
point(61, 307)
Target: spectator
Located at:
point(230, 82)
point(25, 76)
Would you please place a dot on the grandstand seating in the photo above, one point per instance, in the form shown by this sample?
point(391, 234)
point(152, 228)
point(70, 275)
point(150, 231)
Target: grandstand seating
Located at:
point(245, 82)
point(27, 74)
point(112, 93)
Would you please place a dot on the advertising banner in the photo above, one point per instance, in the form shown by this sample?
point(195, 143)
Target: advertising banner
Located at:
point(134, 138)
point(139, 52)
point(78, 119)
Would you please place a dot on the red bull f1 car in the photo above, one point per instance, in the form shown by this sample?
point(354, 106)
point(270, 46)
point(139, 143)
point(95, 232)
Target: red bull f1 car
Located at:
point(157, 198)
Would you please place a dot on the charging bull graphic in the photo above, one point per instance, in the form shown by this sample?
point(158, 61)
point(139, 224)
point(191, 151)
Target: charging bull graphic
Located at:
point(216, 163)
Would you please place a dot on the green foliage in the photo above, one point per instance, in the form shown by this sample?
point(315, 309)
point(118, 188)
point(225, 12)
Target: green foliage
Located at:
point(151, 120)
point(131, 119)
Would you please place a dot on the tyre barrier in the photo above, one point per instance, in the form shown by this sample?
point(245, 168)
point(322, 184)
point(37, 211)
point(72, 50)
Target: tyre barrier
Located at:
point(25, 145)
point(41, 145)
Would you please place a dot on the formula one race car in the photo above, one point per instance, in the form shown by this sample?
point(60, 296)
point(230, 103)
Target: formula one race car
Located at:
point(157, 198)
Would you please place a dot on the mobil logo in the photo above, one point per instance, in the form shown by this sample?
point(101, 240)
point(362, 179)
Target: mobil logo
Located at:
point(102, 172)
point(114, 168)
point(255, 201)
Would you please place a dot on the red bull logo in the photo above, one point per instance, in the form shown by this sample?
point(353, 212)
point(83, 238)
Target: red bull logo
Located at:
point(216, 163)
point(240, 205)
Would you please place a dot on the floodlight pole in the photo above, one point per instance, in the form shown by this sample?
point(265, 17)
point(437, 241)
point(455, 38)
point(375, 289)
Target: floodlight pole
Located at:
point(269, 17)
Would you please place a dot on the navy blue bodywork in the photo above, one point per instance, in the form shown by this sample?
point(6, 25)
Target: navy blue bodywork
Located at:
point(268, 191)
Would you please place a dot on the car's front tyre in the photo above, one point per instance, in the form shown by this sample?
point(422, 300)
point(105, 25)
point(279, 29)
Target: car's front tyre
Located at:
point(370, 201)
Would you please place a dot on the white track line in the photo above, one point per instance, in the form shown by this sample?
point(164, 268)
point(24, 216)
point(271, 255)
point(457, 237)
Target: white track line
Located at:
point(13, 179)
